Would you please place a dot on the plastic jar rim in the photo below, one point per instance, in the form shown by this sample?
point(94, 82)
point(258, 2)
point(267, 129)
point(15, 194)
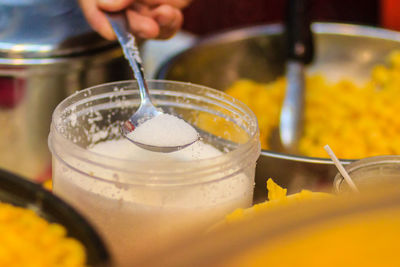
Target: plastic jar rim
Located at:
point(365, 162)
point(251, 148)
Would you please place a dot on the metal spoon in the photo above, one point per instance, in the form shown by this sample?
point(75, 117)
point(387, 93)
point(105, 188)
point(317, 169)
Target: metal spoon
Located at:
point(300, 52)
point(146, 109)
point(291, 116)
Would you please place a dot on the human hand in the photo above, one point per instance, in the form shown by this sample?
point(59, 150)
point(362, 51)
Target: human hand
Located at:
point(148, 19)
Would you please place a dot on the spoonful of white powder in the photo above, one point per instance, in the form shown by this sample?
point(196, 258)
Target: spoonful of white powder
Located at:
point(148, 127)
point(164, 133)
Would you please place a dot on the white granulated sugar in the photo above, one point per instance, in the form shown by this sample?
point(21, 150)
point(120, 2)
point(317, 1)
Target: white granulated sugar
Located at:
point(164, 130)
point(124, 149)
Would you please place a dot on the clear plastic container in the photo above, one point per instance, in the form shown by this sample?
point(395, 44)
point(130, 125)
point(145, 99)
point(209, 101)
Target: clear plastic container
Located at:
point(368, 173)
point(141, 204)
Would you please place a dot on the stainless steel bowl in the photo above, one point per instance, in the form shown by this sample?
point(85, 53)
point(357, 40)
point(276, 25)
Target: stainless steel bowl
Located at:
point(257, 53)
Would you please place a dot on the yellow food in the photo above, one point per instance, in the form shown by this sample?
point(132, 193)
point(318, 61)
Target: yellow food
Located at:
point(48, 184)
point(28, 240)
point(366, 240)
point(276, 198)
point(355, 120)
point(356, 237)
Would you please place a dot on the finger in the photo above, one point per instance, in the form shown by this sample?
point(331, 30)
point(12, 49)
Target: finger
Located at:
point(169, 19)
point(174, 3)
point(96, 18)
point(113, 5)
point(142, 26)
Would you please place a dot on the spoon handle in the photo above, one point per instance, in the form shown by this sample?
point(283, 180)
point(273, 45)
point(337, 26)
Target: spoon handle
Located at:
point(118, 22)
point(300, 51)
point(300, 45)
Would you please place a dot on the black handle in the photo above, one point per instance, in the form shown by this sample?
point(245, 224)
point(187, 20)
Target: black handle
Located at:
point(300, 45)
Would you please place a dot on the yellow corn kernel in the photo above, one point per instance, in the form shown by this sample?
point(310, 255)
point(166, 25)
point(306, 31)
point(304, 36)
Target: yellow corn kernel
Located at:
point(356, 120)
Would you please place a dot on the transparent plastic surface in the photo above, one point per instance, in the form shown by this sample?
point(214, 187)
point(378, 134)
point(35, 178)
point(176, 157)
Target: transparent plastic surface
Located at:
point(370, 172)
point(141, 204)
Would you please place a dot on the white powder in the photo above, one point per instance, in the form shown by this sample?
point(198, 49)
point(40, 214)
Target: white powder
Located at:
point(164, 130)
point(124, 149)
point(134, 218)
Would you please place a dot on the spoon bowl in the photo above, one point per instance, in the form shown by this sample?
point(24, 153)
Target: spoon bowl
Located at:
point(146, 110)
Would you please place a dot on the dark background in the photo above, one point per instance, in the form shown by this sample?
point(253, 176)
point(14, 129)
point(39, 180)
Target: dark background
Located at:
point(210, 16)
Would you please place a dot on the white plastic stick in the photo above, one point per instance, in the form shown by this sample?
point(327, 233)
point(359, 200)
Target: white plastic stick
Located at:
point(341, 169)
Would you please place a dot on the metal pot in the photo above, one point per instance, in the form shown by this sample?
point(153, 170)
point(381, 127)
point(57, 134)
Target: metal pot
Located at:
point(257, 53)
point(47, 51)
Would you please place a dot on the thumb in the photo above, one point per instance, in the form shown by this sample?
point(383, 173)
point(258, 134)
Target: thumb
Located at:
point(114, 5)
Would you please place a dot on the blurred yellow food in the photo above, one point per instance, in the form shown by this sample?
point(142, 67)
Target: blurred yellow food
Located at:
point(357, 240)
point(363, 238)
point(276, 198)
point(28, 240)
point(48, 184)
point(355, 120)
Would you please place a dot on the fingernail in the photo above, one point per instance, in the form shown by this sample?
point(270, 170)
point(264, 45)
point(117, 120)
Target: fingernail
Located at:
point(163, 21)
point(145, 34)
point(107, 2)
